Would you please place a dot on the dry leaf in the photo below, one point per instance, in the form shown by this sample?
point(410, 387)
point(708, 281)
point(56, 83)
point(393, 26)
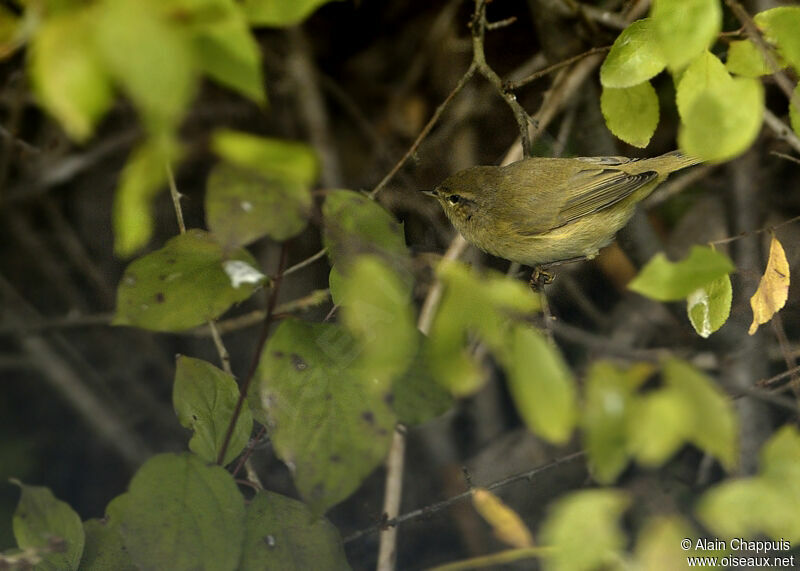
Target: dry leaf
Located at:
point(506, 524)
point(773, 289)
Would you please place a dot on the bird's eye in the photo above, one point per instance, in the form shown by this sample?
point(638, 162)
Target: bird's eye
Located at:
point(453, 198)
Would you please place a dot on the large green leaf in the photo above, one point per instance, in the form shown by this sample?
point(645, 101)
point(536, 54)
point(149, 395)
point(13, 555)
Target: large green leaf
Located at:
point(273, 158)
point(767, 503)
point(243, 205)
point(659, 425)
point(583, 532)
point(280, 12)
point(610, 397)
point(104, 549)
point(541, 385)
point(745, 59)
point(67, 74)
point(205, 399)
point(670, 281)
point(150, 56)
point(794, 110)
point(684, 28)
point(656, 545)
point(376, 310)
point(714, 427)
point(329, 424)
point(45, 522)
point(631, 113)
point(180, 513)
point(144, 175)
point(416, 396)
point(634, 58)
point(355, 225)
point(473, 303)
point(282, 534)
point(780, 26)
point(184, 284)
point(224, 46)
point(721, 115)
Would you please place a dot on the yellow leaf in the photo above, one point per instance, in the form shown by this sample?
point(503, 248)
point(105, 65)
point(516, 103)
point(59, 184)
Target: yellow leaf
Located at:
point(773, 289)
point(506, 524)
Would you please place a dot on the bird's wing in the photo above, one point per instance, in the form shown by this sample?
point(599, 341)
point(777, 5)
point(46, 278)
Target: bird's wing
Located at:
point(593, 189)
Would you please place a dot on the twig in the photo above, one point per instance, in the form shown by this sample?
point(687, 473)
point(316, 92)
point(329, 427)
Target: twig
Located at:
point(176, 199)
point(224, 356)
point(785, 156)
point(439, 506)
point(783, 81)
point(307, 262)
point(555, 67)
point(479, 25)
point(393, 492)
point(753, 232)
point(425, 130)
point(262, 341)
point(782, 130)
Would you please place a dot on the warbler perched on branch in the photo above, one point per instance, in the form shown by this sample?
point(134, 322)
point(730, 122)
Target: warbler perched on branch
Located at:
point(543, 211)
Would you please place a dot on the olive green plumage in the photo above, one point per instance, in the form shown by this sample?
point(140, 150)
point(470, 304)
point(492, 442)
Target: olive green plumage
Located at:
point(539, 211)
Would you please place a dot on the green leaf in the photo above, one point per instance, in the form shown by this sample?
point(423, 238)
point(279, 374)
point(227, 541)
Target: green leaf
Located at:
point(541, 385)
point(714, 426)
point(279, 12)
point(780, 26)
point(273, 158)
point(656, 545)
point(67, 75)
point(721, 115)
point(329, 424)
point(710, 305)
point(684, 28)
point(610, 396)
point(720, 127)
point(745, 59)
point(104, 549)
point(205, 399)
point(631, 113)
point(376, 310)
point(282, 533)
point(705, 74)
point(416, 396)
point(658, 426)
point(583, 531)
point(224, 47)
point(634, 58)
point(355, 225)
point(44, 522)
point(767, 503)
point(143, 176)
point(150, 56)
point(472, 303)
point(184, 284)
point(663, 280)
point(243, 205)
point(180, 513)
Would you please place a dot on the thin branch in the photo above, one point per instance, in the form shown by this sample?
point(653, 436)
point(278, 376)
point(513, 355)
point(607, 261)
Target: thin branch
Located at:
point(425, 130)
point(781, 130)
point(753, 232)
point(307, 262)
point(783, 81)
point(262, 341)
point(176, 199)
point(224, 356)
point(555, 67)
point(439, 506)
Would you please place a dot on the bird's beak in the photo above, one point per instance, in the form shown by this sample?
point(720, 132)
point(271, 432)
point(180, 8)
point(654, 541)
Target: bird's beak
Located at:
point(429, 193)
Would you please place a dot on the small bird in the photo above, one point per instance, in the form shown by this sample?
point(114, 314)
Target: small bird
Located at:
point(545, 211)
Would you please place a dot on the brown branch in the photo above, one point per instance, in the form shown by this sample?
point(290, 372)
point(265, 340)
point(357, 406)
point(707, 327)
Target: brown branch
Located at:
point(555, 67)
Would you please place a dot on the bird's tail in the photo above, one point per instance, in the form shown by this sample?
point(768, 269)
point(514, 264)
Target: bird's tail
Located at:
point(674, 161)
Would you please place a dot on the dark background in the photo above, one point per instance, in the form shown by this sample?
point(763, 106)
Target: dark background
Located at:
point(82, 403)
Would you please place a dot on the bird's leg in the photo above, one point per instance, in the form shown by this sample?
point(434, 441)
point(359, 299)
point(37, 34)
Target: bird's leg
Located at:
point(540, 278)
